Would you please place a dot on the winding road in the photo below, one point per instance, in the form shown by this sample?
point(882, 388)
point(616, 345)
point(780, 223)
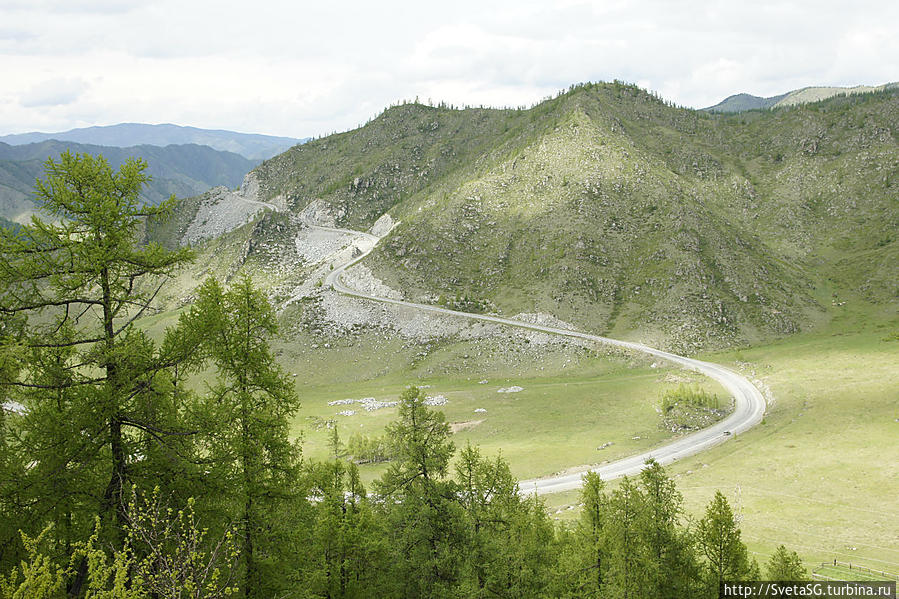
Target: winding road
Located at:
point(748, 411)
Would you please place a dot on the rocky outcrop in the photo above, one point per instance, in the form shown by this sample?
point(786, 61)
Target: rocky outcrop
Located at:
point(222, 210)
point(382, 226)
point(319, 212)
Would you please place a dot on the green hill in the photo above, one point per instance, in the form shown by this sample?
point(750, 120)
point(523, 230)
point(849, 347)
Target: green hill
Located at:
point(182, 170)
point(805, 95)
point(125, 135)
point(743, 102)
point(610, 208)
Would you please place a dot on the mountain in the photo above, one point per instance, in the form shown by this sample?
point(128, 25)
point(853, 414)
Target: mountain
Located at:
point(248, 145)
point(182, 170)
point(816, 94)
point(612, 209)
point(743, 102)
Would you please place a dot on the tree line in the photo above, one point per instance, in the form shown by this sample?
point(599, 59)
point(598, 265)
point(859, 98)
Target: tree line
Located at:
point(138, 467)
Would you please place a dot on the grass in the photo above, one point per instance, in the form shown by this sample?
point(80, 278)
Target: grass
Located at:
point(846, 571)
point(573, 401)
point(821, 473)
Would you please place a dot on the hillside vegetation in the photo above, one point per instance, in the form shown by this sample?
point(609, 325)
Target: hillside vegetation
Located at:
point(805, 95)
point(612, 209)
point(180, 170)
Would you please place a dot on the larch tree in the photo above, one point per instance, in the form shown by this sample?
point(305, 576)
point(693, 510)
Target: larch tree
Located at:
point(426, 520)
point(94, 387)
point(671, 567)
point(249, 407)
point(719, 540)
point(785, 565)
point(590, 537)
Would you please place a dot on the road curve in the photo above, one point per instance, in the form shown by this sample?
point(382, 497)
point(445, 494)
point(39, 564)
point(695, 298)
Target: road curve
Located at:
point(748, 411)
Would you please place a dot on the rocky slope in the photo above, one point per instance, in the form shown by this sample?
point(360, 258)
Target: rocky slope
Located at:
point(609, 208)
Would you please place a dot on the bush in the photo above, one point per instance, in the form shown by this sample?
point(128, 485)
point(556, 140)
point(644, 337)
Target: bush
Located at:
point(688, 396)
point(369, 450)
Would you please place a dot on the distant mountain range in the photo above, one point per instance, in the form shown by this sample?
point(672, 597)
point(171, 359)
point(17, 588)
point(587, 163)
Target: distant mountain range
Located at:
point(124, 135)
point(743, 102)
point(182, 170)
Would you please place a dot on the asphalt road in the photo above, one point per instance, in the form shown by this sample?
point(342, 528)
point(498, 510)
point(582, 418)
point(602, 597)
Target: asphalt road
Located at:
point(749, 403)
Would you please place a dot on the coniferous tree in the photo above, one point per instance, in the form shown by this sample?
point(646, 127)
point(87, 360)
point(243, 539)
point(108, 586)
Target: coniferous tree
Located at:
point(94, 387)
point(248, 410)
point(671, 569)
point(785, 565)
point(719, 541)
point(628, 563)
point(508, 546)
point(422, 509)
point(346, 548)
point(590, 538)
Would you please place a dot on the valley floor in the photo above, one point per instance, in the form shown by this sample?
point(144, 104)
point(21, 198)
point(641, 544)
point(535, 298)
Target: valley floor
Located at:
point(821, 473)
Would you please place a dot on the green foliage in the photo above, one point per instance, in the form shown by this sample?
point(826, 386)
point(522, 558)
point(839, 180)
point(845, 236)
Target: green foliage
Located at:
point(785, 565)
point(687, 408)
point(249, 408)
point(71, 292)
point(169, 554)
point(690, 396)
point(40, 577)
point(425, 522)
point(586, 566)
point(633, 542)
point(672, 566)
point(164, 555)
point(369, 450)
point(719, 541)
point(347, 549)
point(465, 303)
point(509, 539)
point(628, 573)
point(419, 440)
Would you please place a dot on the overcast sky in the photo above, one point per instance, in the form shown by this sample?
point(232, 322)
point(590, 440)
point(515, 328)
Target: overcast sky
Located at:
point(299, 68)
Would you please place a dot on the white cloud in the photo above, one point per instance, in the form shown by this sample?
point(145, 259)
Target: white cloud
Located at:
point(304, 68)
point(54, 92)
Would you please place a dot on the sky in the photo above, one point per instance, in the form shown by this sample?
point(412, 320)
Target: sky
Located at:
point(298, 68)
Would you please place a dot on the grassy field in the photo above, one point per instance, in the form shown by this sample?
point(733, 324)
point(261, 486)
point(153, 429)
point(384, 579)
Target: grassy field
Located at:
point(590, 399)
point(848, 571)
point(821, 474)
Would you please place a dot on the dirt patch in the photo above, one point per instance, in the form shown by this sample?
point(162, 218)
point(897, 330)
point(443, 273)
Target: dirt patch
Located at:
point(457, 427)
